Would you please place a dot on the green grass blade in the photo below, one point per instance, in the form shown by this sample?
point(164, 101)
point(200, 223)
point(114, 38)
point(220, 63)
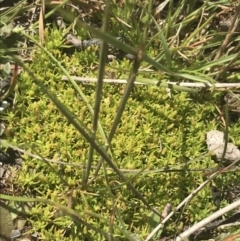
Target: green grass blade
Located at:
point(98, 97)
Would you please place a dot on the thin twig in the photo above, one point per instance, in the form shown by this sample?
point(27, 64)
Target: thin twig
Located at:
point(154, 82)
point(229, 225)
point(207, 220)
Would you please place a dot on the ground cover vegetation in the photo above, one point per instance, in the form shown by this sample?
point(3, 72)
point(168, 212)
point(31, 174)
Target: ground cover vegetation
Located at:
point(108, 158)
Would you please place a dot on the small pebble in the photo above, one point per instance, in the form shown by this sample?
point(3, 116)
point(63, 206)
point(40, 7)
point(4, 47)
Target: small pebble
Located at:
point(216, 143)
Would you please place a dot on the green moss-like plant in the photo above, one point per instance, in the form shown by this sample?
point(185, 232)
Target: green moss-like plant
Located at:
point(156, 131)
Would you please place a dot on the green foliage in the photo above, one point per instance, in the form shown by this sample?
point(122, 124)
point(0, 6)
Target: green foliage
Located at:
point(154, 220)
point(157, 130)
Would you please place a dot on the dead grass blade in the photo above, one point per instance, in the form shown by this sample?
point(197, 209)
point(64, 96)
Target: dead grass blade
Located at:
point(41, 22)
